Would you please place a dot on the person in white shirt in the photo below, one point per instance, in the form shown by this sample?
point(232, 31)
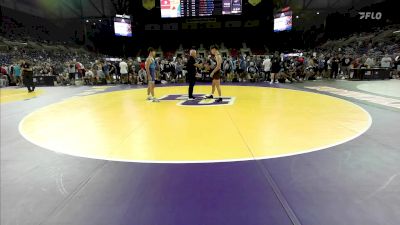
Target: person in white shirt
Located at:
point(369, 62)
point(88, 78)
point(267, 67)
point(123, 70)
point(72, 71)
point(386, 61)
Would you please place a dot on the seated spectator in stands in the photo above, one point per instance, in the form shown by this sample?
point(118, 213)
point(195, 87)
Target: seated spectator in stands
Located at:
point(311, 69)
point(289, 72)
point(88, 79)
point(142, 76)
point(363, 59)
point(228, 69)
point(166, 70)
point(45, 70)
point(386, 62)
point(369, 62)
point(63, 78)
point(179, 69)
point(252, 72)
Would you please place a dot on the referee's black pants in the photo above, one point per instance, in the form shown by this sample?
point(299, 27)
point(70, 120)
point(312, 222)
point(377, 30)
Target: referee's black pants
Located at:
point(192, 82)
point(28, 81)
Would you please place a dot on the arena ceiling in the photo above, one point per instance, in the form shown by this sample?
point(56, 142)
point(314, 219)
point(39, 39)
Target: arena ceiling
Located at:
point(59, 9)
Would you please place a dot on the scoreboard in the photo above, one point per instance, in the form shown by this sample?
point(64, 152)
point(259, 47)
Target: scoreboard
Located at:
point(198, 8)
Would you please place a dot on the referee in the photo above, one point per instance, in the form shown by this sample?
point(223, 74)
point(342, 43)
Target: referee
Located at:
point(191, 71)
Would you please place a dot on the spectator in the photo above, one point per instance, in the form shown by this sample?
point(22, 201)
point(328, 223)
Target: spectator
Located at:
point(345, 65)
point(142, 76)
point(106, 71)
point(123, 70)
point(179, 69)
point(370, 62)
point(72, 71)
point(17, 74)
point(275, 68)
point(386, 62)
point(267, 67)
point(112, 72)
point(242, 68)
point(335, 67)
point(88, 78)
point(228, 69)
point(100, 75)
point(252, 72)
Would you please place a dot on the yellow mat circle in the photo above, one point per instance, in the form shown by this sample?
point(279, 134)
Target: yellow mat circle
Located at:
point(261, 123)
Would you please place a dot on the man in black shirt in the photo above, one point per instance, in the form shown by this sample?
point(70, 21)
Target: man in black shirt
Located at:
point(335, 67)
point(275, 68)
point(191, 72)
point(27, 74)
point(345, 65)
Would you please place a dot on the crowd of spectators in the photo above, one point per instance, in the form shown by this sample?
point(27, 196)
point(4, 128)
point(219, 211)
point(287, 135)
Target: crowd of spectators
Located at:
point(333, 60)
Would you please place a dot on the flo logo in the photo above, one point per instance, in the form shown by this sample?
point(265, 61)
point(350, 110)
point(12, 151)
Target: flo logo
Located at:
point(199, 101)
point(370, 15)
